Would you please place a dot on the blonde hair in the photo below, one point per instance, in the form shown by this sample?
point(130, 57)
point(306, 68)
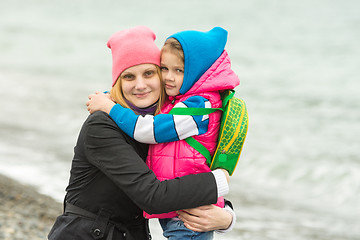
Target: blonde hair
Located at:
point(172, 45)
point(117, 95)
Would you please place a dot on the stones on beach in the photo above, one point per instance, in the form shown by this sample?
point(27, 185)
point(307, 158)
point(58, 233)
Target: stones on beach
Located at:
point(24, 213)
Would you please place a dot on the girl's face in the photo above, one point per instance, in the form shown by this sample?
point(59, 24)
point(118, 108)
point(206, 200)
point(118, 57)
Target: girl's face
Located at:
point(172, 71)
point(141, 85)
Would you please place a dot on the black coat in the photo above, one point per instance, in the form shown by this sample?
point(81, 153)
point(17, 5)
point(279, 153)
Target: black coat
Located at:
point(109, 172)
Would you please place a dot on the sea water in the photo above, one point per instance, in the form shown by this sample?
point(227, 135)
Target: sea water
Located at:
point(298, 61)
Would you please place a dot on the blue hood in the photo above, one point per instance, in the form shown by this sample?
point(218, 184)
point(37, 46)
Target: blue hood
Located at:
point(201, 50)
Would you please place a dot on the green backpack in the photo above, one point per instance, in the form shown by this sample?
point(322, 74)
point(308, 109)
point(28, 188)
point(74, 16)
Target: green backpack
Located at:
point(233, 129)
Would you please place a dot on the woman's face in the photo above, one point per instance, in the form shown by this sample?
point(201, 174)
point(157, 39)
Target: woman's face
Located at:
point(141, 85)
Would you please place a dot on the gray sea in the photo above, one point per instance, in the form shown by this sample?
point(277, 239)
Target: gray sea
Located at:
point(299, 173)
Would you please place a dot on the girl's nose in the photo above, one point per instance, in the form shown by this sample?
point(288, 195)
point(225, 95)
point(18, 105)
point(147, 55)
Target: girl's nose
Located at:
point(168, 76)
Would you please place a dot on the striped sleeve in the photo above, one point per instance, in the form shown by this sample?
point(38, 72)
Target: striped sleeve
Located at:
point(163, 127)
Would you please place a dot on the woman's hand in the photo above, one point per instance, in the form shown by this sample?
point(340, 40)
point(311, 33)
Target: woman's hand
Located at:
point(205, 218)
point(99, 102)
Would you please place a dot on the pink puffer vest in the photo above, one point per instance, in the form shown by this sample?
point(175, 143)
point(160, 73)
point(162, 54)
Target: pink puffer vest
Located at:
point(177, 159)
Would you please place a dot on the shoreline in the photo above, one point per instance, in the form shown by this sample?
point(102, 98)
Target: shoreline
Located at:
point(25, 213)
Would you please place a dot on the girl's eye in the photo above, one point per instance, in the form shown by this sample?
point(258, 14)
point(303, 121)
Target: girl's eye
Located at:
point(163, 69)
point(180, 70)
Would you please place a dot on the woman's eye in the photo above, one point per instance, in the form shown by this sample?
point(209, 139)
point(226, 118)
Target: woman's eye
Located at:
point(149, 73)
point(128, 77)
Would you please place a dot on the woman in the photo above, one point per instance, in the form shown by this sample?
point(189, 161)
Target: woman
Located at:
point(110, 183)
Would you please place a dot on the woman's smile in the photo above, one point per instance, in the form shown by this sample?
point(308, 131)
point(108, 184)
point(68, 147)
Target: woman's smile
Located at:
point(142, 95)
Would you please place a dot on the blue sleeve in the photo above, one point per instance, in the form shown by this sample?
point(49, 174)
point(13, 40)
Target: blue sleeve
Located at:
point(125, 118)
point(162, 127)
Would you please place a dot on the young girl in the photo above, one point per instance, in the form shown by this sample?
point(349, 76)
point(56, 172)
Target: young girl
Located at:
point(195, 68)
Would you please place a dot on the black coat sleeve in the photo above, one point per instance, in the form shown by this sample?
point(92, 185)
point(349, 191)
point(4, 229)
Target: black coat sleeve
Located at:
point(107, 147)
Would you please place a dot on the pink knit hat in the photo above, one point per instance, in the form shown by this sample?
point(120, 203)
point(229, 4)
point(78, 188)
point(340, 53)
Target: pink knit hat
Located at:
point(132, 47)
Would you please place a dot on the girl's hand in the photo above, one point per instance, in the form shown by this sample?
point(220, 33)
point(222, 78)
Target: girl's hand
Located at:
point(205, 218)
point(99, 102)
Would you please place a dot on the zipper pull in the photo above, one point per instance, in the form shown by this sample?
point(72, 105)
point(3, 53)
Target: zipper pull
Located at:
point(173, 101)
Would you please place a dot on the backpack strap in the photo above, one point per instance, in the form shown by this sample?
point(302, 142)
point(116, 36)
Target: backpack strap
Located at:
point(193, 111)
point(227, 98)
point(190, 140)
point(200, 148)
point(201, 111)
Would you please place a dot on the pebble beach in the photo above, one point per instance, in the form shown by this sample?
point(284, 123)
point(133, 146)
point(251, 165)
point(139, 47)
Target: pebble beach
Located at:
point(24, 213)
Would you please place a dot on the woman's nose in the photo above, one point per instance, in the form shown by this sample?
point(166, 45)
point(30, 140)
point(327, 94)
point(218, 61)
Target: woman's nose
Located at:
point(140, 83)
